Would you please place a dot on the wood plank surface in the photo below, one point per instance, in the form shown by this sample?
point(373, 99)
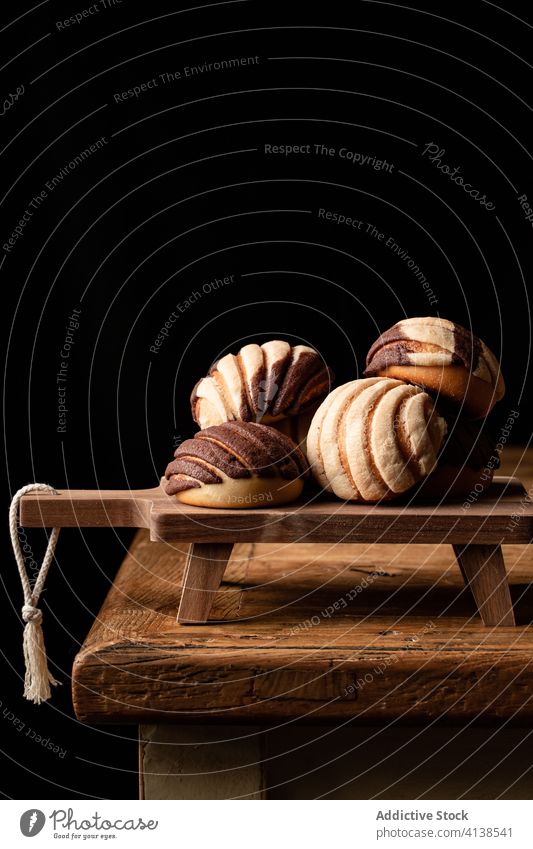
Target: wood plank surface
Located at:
point(489, 520)
point(308, 631)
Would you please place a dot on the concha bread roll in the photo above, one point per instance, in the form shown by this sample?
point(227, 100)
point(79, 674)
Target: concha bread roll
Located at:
point(374, 439)
point(237, 465)
point(443, 358)
point(262, 383)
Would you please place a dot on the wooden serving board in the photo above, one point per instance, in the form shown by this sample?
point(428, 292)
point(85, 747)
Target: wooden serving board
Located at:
point(489, 520)
point(503, 515)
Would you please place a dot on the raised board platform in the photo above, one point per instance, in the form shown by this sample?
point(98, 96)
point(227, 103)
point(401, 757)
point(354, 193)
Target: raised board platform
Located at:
point(488, 520)
point(476, 532)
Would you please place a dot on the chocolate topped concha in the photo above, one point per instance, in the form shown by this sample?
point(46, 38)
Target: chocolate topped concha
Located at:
point(262, 383)
point(237, 464)
point(374, 439)
point(442, 357)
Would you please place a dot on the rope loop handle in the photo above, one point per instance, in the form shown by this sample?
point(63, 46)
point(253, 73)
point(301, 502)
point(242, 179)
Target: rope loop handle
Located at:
point(38, 678)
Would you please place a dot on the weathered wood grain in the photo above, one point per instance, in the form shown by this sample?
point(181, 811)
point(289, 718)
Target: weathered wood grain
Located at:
point(317, 632)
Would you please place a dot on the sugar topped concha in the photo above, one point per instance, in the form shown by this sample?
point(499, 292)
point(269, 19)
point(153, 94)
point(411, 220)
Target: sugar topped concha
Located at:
point(262, 383)
point(374, 439)
point(442, 357)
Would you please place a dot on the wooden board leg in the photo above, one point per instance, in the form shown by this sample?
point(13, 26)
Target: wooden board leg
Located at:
point(204, 570)
point(483, 570)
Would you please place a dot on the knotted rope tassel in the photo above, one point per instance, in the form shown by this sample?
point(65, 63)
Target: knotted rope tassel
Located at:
point(38, 678)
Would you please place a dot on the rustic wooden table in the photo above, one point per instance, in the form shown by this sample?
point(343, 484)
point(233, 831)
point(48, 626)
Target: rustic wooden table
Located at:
point(314, 633)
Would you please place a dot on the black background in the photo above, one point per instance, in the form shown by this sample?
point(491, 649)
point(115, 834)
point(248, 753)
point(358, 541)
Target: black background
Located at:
point(182, 193)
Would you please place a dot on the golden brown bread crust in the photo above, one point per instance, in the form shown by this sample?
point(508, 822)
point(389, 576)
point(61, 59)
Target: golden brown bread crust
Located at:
point(443, 358)
point(474, 397)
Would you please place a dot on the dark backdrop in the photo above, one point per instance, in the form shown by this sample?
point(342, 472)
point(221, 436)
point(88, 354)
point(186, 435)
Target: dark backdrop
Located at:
point(177, 193)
